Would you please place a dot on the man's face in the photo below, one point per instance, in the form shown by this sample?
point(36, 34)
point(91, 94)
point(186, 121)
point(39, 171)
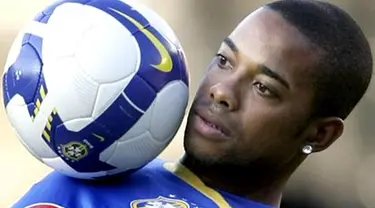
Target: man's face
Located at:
point(254, 101)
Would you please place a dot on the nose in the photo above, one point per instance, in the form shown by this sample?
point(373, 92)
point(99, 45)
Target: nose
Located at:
point(224, 96)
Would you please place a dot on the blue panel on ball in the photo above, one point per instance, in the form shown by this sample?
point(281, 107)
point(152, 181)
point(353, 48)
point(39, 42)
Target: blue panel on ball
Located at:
point(119, 10)
point(44, 16)
point(23, 76)
point(50, 9)
point(183, 69)
point(81, 150)
point(36, 42)
point(73, 146)
point(88, 143)
point(151, 56)
point(140, 93)
point(30, 107)
point(6, 98)
point(119, 117)
point(26, 38)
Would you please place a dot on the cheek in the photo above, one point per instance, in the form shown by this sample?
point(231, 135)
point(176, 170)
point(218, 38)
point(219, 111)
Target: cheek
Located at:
point(268, 135)
point(267, 125)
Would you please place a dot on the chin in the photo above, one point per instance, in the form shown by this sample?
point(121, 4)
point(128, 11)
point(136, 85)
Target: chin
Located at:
point(196, 148)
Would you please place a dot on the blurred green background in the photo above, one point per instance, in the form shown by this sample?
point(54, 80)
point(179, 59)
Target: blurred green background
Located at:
point(342, 176)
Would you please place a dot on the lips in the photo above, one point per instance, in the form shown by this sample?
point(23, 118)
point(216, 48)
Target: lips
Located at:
point(210, 126)
point(214, 126)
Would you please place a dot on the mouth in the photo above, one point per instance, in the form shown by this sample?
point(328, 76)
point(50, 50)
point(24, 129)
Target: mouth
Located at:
point(210, 127)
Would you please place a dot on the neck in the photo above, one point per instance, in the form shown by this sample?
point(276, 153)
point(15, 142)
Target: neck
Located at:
point(263, 186)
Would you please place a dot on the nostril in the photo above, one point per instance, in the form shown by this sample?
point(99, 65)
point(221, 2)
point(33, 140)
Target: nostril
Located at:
point(224, 103)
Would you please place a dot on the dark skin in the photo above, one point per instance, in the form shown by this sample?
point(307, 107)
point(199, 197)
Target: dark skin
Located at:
point(252, 114)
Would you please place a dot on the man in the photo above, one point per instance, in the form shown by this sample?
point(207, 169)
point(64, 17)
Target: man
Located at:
point(278, 90)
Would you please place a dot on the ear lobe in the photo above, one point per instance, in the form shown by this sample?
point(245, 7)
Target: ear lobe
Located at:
point(328, 130)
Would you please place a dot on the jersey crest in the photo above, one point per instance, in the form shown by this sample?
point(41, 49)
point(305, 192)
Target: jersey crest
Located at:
point(160, 202)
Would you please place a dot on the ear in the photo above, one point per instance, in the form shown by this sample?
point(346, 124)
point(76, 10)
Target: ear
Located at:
point(326, 131)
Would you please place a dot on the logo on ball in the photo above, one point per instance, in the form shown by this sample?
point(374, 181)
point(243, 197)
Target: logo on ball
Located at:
point(74, 150)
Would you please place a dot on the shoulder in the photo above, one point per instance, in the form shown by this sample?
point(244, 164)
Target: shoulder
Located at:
point(60, 190)
point(55, 189)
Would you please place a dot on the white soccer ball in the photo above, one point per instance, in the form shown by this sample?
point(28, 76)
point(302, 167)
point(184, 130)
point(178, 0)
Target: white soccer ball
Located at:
point(96, 87)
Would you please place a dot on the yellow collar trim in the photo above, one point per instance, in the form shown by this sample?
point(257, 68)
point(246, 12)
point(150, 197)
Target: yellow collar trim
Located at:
point(189, 177)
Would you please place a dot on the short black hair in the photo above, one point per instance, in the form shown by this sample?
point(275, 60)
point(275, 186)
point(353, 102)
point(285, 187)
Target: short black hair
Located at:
point(343, 73)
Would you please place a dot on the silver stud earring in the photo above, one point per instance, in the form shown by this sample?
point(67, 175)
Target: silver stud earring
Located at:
point(307, 149)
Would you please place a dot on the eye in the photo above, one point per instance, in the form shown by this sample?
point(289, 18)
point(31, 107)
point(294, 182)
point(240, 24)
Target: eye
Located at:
point(263, 89)
point(223, 62)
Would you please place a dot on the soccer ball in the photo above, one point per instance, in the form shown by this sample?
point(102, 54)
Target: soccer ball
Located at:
point(96, 87)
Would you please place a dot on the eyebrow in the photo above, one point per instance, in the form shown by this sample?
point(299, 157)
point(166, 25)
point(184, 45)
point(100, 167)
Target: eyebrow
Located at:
point(267, 71)
point(229, 42)
point(263, 69)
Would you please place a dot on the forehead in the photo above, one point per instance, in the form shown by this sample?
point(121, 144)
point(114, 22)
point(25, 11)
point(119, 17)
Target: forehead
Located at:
point(265, 37)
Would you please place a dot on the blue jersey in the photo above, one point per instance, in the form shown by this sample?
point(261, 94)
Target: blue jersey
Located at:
point(158, 185)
